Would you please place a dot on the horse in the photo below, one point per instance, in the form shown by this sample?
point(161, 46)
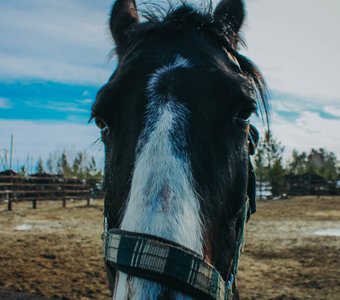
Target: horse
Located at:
point(174, 120)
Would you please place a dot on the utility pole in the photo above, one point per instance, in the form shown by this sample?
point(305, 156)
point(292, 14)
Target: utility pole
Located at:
point(11, 153)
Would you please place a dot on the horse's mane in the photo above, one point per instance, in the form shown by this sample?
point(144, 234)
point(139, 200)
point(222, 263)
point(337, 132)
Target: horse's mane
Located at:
point(174, 17)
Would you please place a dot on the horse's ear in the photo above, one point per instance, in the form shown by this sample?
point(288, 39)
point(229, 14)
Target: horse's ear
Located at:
point(124, 17)
point(231, 12)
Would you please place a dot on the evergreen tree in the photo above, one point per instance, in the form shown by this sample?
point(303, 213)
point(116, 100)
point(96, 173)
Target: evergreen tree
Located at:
point(323, 163)
point(78, 166)
point(4, 164)
point(297, 165)
point(49, 164)
point(331, 169)
point(22, 170)
point(268, 163)
point(64, 166)
point(92, 170)
point(39, 169)
point(260, 167)
point(320, 162)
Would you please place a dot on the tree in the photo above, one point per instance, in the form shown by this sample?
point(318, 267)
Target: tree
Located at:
point(63, 165)
point(268, 163)
point(49, 164)
point(4, 162)
point(331, 169)
point(39, 169)
point(323, 163)
point(320, 162)
point(260, 167)
point(297, 165)
point(78, 165)
point(92, 170)
point(22, 170)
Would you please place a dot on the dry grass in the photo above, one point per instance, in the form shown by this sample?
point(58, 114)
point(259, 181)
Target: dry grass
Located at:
point(61, 256)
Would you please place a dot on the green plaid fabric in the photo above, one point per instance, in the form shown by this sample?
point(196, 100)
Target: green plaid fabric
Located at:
point(151, 255)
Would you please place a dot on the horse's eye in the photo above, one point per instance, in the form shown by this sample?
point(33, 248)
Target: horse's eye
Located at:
point(103, 127)
point(245, 113)
point(100, 123)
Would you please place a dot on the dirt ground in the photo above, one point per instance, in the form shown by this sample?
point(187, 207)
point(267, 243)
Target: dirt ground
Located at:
point(56, 253)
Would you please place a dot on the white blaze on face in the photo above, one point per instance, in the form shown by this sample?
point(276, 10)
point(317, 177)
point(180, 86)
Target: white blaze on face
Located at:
point(162, 199)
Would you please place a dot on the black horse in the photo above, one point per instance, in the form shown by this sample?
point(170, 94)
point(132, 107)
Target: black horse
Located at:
point(174, 118)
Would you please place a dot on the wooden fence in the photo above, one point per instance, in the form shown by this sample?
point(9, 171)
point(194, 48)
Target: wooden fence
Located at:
point(48, 187)
point(310, 184)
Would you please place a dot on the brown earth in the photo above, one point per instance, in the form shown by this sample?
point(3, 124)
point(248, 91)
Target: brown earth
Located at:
point(56, 253)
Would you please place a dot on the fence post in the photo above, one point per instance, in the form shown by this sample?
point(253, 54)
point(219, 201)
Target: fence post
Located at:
point(64, 202)
point(88, 188)
point(10, 194)
point(9, 201)
point(34, 203)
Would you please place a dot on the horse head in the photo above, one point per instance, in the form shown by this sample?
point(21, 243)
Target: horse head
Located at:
point(174, 118)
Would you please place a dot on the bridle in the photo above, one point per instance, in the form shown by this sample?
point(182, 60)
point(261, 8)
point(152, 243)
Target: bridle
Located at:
point(169, 263)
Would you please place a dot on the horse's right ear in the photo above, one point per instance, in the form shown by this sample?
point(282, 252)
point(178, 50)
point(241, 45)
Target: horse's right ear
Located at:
point(231, 12)
point(124, 17)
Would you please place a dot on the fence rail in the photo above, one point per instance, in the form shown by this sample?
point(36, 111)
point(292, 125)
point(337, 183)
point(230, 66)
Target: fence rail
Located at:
point(14, 188)
point(310, 184)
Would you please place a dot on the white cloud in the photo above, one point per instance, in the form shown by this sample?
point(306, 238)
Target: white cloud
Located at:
point(13, 67)
point(85, 101)
point(335, 111)
point(308, 131)
point(86, 93)
point(286, 106)
point(59, 106)
point(297, 45)
point(63, 41)
point(5, 103)
point(38, 138)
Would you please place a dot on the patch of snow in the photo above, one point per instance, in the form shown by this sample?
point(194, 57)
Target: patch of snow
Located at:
point(328, 232)
point(23, 227)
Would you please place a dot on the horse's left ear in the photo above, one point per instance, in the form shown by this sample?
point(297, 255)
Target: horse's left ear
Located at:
point(231, 12)
point(124, 17)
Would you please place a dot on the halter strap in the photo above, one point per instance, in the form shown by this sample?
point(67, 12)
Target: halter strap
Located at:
point(164, 261)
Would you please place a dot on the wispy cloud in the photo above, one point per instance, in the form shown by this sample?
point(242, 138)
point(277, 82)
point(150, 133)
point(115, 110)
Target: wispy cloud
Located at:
point(5, 103)
point(47, 101)
point(13, 67)
point(291, 106)
point(335, 111)
point(85, 101)
point(71, 107)
point(294, 100)
point(69, 41)
point(308, 130)
point(63, 41)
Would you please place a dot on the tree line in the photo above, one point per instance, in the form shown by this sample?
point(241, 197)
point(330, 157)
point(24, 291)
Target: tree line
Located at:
point(268, 162)
point(270, 166)
point(65, 163)
point(81, 166)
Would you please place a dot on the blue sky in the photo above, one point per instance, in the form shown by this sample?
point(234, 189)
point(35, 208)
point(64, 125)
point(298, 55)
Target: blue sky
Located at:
point(45, 100)
point(54, 57)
